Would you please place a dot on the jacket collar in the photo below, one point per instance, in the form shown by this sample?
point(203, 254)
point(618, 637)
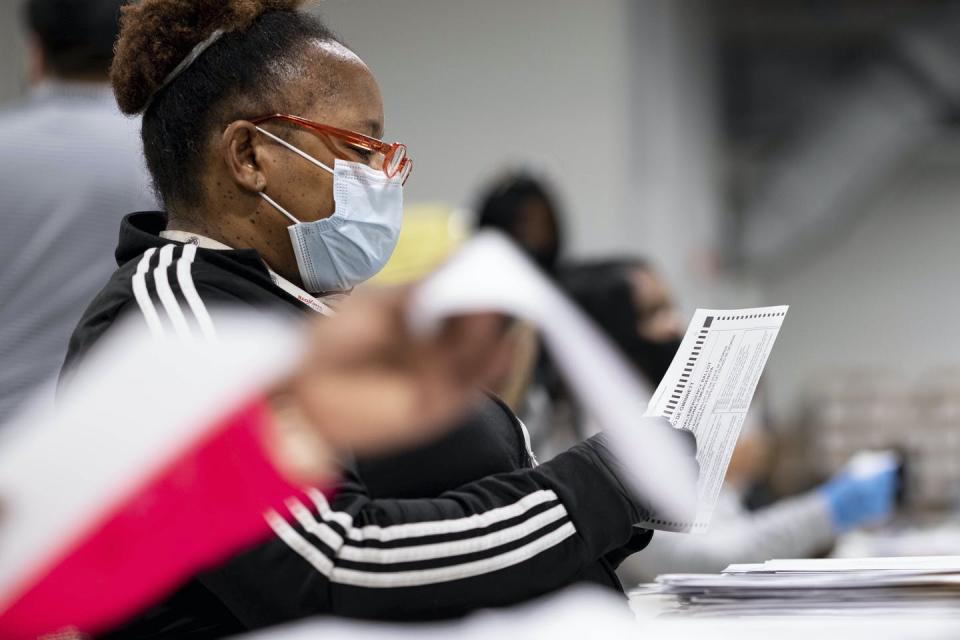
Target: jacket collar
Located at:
point(141, 231)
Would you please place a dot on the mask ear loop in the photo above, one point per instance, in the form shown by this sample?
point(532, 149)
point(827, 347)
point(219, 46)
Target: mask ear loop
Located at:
point(302, 154)
point(276, 205)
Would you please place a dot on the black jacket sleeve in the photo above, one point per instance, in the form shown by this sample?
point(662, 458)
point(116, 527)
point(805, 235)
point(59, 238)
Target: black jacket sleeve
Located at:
point(496, 541)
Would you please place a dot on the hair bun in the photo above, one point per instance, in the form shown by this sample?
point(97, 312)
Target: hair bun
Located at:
point(156, 35)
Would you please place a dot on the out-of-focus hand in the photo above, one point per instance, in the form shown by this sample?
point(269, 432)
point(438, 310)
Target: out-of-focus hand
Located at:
point(368, 385)
point(858, 499)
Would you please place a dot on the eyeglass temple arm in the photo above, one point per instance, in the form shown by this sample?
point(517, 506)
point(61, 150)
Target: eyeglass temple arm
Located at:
point(297, 151)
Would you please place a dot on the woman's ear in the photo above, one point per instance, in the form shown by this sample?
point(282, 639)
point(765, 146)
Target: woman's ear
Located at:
point(244, 154)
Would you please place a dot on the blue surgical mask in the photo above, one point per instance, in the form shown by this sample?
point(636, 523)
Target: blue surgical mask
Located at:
point(353, 244)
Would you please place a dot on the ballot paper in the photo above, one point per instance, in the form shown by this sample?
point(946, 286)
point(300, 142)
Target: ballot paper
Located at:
point(708, 389)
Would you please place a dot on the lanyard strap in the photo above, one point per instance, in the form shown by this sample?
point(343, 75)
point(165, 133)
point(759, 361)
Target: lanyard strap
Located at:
point(296, 292)
point(292, 290)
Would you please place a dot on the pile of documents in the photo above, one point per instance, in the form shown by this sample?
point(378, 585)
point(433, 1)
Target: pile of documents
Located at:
point(928, 586)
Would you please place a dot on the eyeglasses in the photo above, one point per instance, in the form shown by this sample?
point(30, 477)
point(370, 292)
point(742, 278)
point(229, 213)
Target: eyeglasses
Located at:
point(395, 161)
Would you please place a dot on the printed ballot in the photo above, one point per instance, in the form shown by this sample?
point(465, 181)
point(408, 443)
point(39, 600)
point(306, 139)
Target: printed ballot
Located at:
point(708, 389)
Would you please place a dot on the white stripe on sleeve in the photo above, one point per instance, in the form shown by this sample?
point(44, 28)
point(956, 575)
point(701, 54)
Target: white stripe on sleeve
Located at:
point(170, 304)
point(417, 577)
point(423, 552)
point(185, 278)
point(139, 284)
point(434, 527)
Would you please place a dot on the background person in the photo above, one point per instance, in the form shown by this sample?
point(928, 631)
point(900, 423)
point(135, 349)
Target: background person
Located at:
point(522, 206)
point(70, 167)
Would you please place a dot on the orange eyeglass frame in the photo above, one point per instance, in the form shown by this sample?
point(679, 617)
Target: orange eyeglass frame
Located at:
point(395, 159)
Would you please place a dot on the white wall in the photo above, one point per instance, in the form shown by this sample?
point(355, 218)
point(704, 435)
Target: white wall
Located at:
point(881, 293)
point(673, 210)
point(11, 51)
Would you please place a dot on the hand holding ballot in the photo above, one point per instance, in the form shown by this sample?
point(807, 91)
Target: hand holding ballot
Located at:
point(708, 388)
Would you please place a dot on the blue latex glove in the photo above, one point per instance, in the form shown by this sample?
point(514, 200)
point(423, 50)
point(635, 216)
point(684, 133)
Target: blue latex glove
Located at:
point(856, 499)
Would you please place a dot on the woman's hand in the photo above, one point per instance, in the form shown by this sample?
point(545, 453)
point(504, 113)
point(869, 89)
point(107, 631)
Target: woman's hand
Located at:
point(366, 384)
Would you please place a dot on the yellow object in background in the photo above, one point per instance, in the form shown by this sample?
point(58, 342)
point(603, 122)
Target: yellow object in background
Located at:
point(430, 233)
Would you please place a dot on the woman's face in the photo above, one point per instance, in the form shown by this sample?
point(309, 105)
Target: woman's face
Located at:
point(301, 187)
point(342, 94)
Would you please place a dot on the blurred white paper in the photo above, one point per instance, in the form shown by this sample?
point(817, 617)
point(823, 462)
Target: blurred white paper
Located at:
point(708, 389)
point(490, 275)
point(64, 466)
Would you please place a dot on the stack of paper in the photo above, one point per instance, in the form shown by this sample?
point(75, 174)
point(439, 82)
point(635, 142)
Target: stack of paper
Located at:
point(827, 587)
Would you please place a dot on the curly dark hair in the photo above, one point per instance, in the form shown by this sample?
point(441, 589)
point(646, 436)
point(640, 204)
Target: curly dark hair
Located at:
point(243, 74)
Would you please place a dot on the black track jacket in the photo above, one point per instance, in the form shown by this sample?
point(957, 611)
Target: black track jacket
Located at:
point(465, 523)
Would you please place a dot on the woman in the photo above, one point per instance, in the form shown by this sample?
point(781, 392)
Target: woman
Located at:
point(288, 212)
